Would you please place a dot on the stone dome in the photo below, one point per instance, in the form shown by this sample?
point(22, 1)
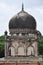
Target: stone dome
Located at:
point(22, 20)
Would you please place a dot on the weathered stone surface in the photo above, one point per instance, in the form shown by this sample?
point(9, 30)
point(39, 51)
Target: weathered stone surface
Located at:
point(12, 63)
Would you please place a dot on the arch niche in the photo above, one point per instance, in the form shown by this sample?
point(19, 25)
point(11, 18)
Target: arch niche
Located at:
point(30, 50)
point(12, 51)
point(21, 51)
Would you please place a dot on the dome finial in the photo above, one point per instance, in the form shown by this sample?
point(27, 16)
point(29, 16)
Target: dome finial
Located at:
point(22, 6)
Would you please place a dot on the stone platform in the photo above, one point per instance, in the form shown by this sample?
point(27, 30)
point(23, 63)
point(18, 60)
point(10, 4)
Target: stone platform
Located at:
point(21, 61)
point(15, 63)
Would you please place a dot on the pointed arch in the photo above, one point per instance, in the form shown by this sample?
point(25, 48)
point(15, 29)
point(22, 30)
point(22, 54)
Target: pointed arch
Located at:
point(21, 50)
point(12, 51)
point(30, 50)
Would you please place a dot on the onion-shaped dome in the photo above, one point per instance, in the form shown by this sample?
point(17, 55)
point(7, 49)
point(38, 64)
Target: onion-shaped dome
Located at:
point(22, 20)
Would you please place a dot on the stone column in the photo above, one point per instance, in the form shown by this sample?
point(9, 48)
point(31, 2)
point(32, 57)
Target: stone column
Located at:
point(5, 49)
point(36, 49)
point(5, 44)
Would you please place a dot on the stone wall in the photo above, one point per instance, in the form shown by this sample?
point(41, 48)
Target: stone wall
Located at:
point(12, 63)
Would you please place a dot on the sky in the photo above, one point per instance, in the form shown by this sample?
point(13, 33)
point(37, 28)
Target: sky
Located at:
point(9, 8)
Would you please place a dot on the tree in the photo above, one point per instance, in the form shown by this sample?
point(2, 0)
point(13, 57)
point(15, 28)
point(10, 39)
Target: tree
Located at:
point(2, 41)
point(41, 46)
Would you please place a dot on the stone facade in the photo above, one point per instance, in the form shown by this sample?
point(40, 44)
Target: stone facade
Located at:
point(21, 45)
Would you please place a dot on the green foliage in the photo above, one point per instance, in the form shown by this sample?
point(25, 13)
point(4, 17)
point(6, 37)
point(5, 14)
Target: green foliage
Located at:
point(2, 38)
point(2, 44)
point(41, 46)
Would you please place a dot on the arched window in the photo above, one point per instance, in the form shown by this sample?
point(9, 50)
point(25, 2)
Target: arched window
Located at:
point(12, 51)
point(21, 51)
point(30, 50)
